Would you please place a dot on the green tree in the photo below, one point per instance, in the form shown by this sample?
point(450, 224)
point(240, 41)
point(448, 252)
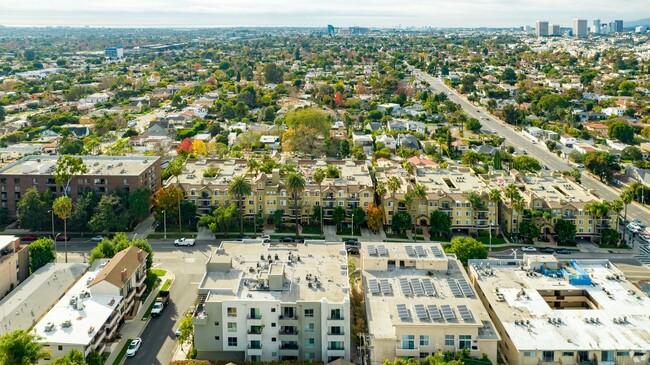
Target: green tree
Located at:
point(601, 163)
point(67, 167)
point(359, 215)
point(167, 199)
point(440, 223)
point(82, 211)
point(239, 188)
point(74, 357)
point(186, 333)
point(631, 153)
point(626, 197)
point(109, 215)
point(338, 216)
point(512, 115)
point(528, 230)
point(273, 74)
point(221, 219)
point(3, 113)
point(311, 118)
point(32, 210)
point(21, 347)
point(467, 248)
point(621, 131)
point(62, 207)
point(295, 184)
point(494, 196)
point(599, 209)
point(107, 248)
point(401, 222)
point(609, 236)
point(473, 125)
point(41, 252)
point(496, 163)
point(526, 163)
point(565, 230)
point(139, 203)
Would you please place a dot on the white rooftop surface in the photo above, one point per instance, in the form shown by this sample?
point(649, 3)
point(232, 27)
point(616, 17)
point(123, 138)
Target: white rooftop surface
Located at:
point(577, 330)
point(326, 261)
point(32, 298)
point(556, 188)
point(97, 165)
point(6, 240)
point(97, 309)
point(453, 180)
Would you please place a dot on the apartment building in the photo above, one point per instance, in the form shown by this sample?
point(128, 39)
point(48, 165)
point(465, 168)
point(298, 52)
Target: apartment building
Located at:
point(273, 302)
point(551, 311)
point(446, 190)
point(351, 189)
point(14, 263)
point(105, 174)
point(419, 302)
point(552, 193)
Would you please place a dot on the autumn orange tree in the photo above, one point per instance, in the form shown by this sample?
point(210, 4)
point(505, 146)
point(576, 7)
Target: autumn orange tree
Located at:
point(168, 199)
point(375, 217)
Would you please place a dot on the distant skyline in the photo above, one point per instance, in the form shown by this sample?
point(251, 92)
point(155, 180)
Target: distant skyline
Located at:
point(340, 13)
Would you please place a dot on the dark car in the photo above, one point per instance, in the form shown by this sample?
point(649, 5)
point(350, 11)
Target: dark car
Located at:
point(546, 250)
point(288, 239)
point(563, 251)
point(28, 238)
point(62, 238)
point(352, 250)
point(352, 242)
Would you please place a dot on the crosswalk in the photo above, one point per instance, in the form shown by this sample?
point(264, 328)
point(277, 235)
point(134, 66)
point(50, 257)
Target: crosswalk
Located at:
point(644, 254)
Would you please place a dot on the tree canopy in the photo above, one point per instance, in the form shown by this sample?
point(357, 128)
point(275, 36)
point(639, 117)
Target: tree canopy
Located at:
point(467, 248)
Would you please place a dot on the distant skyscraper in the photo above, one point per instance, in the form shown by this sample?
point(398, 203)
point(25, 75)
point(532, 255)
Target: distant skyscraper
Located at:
point(596, 26)
point(541, 29)
point(555, 30)
point(618, 26)
point(115, 52)
point(580, 28)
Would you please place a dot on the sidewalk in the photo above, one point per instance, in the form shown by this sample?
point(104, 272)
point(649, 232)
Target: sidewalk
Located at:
point(369, 236)
point(144, 229)
point(134, 327)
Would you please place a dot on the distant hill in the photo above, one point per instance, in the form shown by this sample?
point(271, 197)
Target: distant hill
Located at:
point(636, 23)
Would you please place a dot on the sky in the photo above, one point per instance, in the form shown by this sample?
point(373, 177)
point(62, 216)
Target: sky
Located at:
point(313, 13)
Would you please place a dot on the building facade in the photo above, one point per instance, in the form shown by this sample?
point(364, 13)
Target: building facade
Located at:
point(14, 263)
point(274, 302)
point(541, 29)
point(580, 28)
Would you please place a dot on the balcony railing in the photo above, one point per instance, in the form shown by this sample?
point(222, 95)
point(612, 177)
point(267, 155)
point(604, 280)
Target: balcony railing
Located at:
point(289, 331)
point(255, 346)
point(335, 318)
point(289, 346)
point(289, 316)
point(254, 316)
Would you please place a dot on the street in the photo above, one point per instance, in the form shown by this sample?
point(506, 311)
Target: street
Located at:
point(536, 150)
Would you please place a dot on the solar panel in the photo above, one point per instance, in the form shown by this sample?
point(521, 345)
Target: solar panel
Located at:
point(406, 288)
point(436, 252)
point(403, 312)
point(417, 287)
point(434, 312)
point(410, 251)
point(466, 288)
point(421, 312)
point(455, 289)
point(466, 314)
point(385, 287)
point(448, 313)
point(372, 250)
point(381, 250)
point(420, 251)
point(373, 286)
point(429, 289)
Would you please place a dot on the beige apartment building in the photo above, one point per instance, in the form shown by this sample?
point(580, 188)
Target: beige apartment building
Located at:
point(552, 312)
point(352, 189)
point(105, 174)
point(14, 263)
point(419, 302)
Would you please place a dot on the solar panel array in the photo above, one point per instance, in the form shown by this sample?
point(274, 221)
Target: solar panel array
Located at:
point(448, 313)
point(410, 251)
point(372, 250)
point(381, 250)
point(421, 312)
point(434, 312)
point(406, 288)
point(417, 287)
point(420, 251)
point(466, 314)
point(455, 289)
point(385, 286)
point(403, 312)
point(373, 286)
point(429, 289)
point(436, 252)
point(466, 289)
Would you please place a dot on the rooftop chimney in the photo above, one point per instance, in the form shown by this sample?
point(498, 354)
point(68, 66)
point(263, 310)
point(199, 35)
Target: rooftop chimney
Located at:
point(139, 255)
point(123, 274)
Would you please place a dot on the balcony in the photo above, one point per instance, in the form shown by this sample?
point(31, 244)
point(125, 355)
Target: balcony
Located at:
point(568, 216)
point(335, 318)
point(446, 207)
point(289, 317)
point(414, 352)
point(255, 330)
point(336, 352)
point(254, 350)
point(254, 346)
point(289, 346)
point(254, 316)
point(335, 333)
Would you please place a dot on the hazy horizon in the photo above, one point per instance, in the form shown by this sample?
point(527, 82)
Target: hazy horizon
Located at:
point(297, 13)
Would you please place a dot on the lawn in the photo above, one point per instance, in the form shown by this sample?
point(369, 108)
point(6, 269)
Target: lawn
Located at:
point(438, 239)
point(311, 230)
point(158, 272)
point(402, 236)
point(166, 285)
point(120, 356)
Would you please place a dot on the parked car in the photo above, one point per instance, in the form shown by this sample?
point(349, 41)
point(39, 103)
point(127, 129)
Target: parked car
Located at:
point(97, 238)
point(352, 250)
point(529, 249)
point(178, 332)
point(161, 303)
point(580, 166)
point(62, 238)
point(184, 242)
point(645, 238)
point(28, 238)
point(134, 347)
point(632, 227)
point(265, 238)
point(352, 242)
point(563, 251)
point(547, 250)
point(288, 239)
point(639, 223)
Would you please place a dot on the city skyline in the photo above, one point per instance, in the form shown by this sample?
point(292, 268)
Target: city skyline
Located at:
point(382, 13)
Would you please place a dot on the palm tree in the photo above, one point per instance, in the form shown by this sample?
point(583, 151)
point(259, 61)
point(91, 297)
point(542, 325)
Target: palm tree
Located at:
point(511, 191)
point(598, 209)
point(253, 166)
point(62, 207)
point(617, 206)
point(381, 192)
point(494, 196)
point(518, 205)
point(319, 175)
point(409, 167)
point(21, 347)
point(295, 183)
point(419, 192)
point(238, 188)
point(332, 172)
point(626, 197)
point(476, 201)
point(394, 183)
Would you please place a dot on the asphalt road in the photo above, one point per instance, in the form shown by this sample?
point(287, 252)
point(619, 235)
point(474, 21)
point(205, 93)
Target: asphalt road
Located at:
point(537, 150)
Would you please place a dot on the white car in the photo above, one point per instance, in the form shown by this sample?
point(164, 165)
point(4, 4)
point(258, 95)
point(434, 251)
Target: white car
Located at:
point(529, 249)
point(97, 238)
point(633, 228)
point(265, 238)
point(134, 347)
point(184, 242)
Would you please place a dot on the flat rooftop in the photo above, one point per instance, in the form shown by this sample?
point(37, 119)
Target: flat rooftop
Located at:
point(32, 298)
point(554, 188)
point(83, 321)
point(418, 294)
point(97, 165)
point(310, 271)
point(588, 306)
point(6, 241)
point(454, 180)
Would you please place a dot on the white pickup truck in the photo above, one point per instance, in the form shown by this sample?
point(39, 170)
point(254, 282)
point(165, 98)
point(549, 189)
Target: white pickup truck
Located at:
point(184, 242)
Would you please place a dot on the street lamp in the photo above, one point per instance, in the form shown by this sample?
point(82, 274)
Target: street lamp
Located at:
point(352, 223)
point(52, 211)
point(56, 256)
point(165, 223)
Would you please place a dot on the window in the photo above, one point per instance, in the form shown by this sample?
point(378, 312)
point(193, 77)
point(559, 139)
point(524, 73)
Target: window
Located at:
point(567, 353)
point(449, 340)
point(232, 327)
point(548, 356)
point(622, 354)
point(309, 312)
point(232, 341)
point(408, 342)
point(309, 327)
point(341, 203)
point(336, 330)
point(530, 353)
point(216, 338)
point(607, 356)
point(424, 340)
point(464, 341)
point(273, 324)
point(272, 310)
point(336, 345)
point(309, 343)
point(423, 355)
point(232, 312)
point(273, 339)
point(335, 314)
point(60, 348)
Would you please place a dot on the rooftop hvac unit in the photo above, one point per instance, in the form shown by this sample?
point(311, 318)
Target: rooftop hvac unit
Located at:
point(66, 324)
point(49, 327)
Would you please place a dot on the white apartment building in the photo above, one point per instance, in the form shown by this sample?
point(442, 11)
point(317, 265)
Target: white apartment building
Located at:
point(561, 311)
point(419, 303)
point(273, 302)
